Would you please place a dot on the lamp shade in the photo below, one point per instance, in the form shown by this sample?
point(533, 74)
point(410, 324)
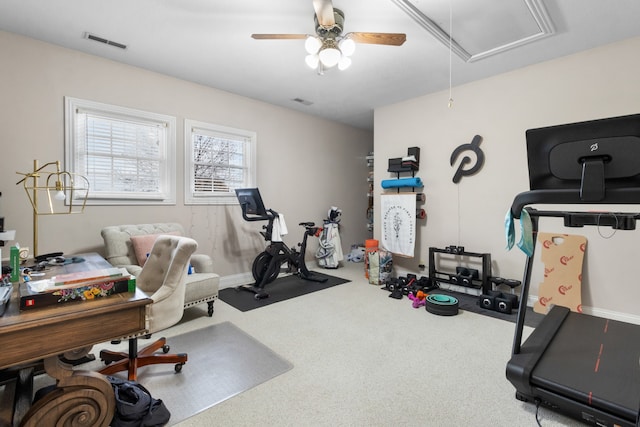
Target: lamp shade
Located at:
point(329, 56)
point(347, 46)
point(312, 45)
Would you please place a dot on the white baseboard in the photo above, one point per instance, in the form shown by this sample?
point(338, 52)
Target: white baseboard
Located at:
point(599, 312)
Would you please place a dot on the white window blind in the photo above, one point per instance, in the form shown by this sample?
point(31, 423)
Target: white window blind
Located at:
point(220, 160)
point(125, 154)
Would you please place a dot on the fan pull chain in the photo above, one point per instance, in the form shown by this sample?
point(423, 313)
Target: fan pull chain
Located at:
point(450, 104)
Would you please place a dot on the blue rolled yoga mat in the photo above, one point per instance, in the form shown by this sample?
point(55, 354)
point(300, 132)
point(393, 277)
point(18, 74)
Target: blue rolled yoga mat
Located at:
point(402, 182)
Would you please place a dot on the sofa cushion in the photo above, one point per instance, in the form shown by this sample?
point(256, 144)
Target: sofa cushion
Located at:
point(201, 287)
point(143, 243)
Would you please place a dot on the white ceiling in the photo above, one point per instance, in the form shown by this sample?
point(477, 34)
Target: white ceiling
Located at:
point(208, 42)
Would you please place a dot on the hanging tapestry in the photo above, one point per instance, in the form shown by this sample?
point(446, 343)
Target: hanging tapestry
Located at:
point(398, 219)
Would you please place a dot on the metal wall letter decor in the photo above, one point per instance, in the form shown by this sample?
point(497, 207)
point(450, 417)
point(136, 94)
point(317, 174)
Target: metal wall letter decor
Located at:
point(462, 170)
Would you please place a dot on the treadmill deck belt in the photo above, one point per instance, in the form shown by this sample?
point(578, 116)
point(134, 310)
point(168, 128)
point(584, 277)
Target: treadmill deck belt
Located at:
point(595, 361)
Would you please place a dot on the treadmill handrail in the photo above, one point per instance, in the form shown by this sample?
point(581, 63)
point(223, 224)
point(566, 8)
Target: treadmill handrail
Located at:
point(613, 196)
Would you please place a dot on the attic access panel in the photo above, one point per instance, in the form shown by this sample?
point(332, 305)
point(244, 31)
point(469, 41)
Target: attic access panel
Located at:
point(481, 28)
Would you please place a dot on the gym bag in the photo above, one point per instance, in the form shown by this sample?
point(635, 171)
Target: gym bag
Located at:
point(135, 407)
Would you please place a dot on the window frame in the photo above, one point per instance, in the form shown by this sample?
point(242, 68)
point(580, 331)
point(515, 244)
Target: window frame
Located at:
point(249, 161)
point(167, 172)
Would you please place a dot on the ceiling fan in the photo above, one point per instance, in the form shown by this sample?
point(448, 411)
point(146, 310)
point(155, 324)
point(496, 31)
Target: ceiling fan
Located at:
point(329, 47)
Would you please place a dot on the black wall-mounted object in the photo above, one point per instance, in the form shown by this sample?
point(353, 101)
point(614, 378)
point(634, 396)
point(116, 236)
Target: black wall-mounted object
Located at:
point(395, 165)
point(463, 170)
point(404, 164)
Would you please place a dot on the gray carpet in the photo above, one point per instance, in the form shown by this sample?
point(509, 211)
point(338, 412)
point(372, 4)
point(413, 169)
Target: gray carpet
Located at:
point(223, 361)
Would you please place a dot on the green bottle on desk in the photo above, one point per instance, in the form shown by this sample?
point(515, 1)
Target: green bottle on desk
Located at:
point(14, 263)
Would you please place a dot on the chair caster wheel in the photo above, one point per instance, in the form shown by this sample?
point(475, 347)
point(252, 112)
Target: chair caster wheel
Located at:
point(260, 296)
point(178, 367)
point(166, 348)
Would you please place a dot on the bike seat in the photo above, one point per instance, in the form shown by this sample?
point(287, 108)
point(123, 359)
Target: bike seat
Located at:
point(307, 224)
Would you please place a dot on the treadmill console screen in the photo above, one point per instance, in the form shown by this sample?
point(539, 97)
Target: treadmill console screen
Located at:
point(590, 156)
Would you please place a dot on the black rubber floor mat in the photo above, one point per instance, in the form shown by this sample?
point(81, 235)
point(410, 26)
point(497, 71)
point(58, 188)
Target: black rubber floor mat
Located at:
point(281, 289)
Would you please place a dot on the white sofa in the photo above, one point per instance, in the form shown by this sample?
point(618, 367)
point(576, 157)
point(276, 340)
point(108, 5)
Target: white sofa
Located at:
point(122, 241)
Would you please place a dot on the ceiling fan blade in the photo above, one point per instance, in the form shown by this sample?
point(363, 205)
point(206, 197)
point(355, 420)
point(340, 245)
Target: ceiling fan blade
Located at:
point(392, 39)
point(278, 36)
point(324, 12)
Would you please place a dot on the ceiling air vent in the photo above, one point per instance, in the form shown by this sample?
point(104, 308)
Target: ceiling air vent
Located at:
point(302, 101)
point(105, 41)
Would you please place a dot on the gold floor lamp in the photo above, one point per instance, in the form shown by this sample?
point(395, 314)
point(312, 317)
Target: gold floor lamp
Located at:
point(66, 193)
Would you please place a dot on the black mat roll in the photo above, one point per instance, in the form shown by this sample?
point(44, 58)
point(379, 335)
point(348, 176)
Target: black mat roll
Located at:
point(281, 289)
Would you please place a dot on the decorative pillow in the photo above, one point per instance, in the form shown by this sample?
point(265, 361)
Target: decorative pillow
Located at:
point(143, 243)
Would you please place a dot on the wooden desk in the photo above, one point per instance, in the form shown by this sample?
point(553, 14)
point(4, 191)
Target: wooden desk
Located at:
point(48, 332)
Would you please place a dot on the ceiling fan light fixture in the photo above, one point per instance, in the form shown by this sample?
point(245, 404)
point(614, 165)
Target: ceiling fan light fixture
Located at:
point(347, 46)
point(312, 45)
point(312, 61)
point(330, 56)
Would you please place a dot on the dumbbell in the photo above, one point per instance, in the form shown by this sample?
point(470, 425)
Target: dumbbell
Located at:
point(465, 276)
point(505, 303)
point(488, 301)
point(498, 301)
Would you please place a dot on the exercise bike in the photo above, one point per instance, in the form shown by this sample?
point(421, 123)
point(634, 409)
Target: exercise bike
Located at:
point(268, 264)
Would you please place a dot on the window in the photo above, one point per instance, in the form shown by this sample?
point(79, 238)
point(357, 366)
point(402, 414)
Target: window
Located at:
point(127, 155)
point(219, 160)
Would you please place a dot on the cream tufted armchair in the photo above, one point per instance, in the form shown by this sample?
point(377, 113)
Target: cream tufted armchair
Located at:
point(127, 246)
point(163, 280)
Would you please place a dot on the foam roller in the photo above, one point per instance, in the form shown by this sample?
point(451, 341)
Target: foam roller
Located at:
point(402, 182)
point(420, 213)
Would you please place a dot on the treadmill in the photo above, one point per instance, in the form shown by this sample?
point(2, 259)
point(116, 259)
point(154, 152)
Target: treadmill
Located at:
point(583, 366)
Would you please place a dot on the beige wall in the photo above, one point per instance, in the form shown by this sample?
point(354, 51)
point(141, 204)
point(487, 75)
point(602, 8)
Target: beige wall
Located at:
point(595, 84)
point(305, 164)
